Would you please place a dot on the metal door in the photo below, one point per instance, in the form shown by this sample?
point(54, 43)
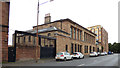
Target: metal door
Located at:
point(47, 52)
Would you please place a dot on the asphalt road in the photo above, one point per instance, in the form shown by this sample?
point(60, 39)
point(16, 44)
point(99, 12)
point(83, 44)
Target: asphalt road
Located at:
point(108, 60)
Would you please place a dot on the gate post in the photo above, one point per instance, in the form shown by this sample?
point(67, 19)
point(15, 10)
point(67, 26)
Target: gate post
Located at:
point(55, 47)
point(15, 45)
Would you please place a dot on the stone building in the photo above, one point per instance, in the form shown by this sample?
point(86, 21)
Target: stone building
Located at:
point(69, 35)
point(101, 38)
point(4, 25)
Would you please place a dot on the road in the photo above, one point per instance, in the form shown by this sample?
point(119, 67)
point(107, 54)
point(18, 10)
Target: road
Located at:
point(107, 60)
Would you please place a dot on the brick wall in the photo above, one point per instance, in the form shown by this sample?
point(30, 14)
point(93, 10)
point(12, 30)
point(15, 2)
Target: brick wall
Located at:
point(4, 19)
point(104, 40)
point(27, 52)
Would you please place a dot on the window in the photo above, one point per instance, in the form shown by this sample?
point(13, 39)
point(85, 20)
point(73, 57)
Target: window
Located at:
point(39, 42)
point(71, 47)
point(66, 48)
point(74, 33)
point(18, 39)
point(65, 53)
point(29, 38)
point(68, 53)
point(77, 34)
point(96, 39)
point(81, 48)
point(75, 47)
point(24, 39)
point(80, 34)
point(97, 27)
point(49, 34)
point(78, 48)
point(86, 49)
point(84, 36)
point(71, 32)
point(96, 32)
point(90, 49)
point(34, 40)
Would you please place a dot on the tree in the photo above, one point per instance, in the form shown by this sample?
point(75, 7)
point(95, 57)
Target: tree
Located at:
point(110, 46)
point(115, 47)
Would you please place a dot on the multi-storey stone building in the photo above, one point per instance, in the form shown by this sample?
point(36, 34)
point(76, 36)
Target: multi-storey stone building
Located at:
point(101, 38)
point(69, 35)
point(4, 25)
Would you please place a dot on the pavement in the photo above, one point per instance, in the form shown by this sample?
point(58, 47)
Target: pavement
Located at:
point(28, 62)
point(107, 60)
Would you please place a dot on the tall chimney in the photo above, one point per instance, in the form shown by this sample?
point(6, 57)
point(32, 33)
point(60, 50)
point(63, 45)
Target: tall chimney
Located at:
point(47, 18)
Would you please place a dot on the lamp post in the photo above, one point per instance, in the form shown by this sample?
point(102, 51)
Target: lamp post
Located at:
point(37, 31)
point(37, 25)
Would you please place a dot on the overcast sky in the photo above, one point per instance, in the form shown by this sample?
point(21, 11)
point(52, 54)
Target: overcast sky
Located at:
point(23, 14)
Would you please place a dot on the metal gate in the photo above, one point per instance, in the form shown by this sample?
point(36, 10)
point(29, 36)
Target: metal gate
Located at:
point(11, 54)
point(47, 52)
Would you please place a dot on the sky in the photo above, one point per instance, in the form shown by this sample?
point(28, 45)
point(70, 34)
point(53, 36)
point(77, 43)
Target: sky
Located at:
point(23, 14)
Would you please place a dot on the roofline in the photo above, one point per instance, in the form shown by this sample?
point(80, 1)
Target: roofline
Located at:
point(94, 26)
point(67, 19)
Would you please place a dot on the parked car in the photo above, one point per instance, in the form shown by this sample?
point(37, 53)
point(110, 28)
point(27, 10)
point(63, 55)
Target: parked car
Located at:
point(98, 53)
point(77, 55)
point(102, 53)
point(105, 53)
point(93, 54)
point(109, 52)
point(63, 56)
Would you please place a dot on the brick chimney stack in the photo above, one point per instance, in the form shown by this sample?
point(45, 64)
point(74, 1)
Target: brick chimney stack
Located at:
point(47, 18)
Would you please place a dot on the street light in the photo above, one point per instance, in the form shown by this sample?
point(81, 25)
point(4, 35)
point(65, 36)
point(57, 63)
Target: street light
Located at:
point(37, 24)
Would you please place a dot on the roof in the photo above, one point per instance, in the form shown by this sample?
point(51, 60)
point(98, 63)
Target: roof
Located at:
point(46, 30)
point(67, 19)
point(29, 31)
